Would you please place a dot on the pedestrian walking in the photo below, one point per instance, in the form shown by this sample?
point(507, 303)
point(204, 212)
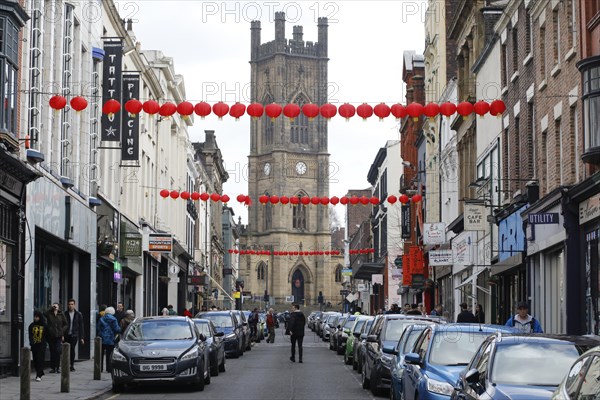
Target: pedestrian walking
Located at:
point(37, 341)
point(127, 319)
point(57, 328)
point(187, 313)
point(75, 332)
point(437, 310)
point(170, 310)
point(120, 312)
point(295, 328)
point(271, 326)
point(394, 309)
point(523, 322)
point(465, 315)
point(253, 322)
point(414, 310)
point(108, 328)
point(479, 314)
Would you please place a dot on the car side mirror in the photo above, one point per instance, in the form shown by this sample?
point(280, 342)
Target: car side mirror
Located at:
point(363, 336)
point(245, 324)
point(372, 338)
point(221, 333)
point(412, 358)
point(339, 327)
point(202, 337)
point(472, 376)
point(390, 350)
point(356, 335)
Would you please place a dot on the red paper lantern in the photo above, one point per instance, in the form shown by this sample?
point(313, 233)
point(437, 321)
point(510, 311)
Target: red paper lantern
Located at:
point(134, 107)
point(263, 199)
point(274, 199)
point(291, 110)
point(328, 111)
point(164, 193)
point(78, 103)
point(392, 199)
point(354, 200)
point(236, 251)
point(324, 200)
point(344, 200)
point(447, 109)
point(310, 110)
point(185, 195)
point(305, 200)
point(273, 110)
point(334, 200)
point(151, 107)
point(202, 109)
point(497, 108)
point(237, 110)
point(431, 110)
point(364, 111)
point(167, 109)
point(284, 200)
point(315, 200)
point(174, 194)
point(414, 110)
point(225, 199)
point(195, 196)
point(230, 251)
point(57, 102)
point(481, 108)
point(185, 109)
point(255, 110)
point(382, 110)
point(204, 196)
point(465, 108)
point(403, 199)
point(220, 109)
point(111, 107)
point(374, 200)
point(347, 111)
point(294, 200)
point(398, 111)
point(364, 200)
point(241, 198)
point(416, 198)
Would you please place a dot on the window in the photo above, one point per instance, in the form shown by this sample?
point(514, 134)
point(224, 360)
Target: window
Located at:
point(505, 152)
point(260, 272)
point(299, 126)
point(530, 133)
point(591, 107)
point(515, 50)
point(542, 43)
point(268, 214)
point(574, 376)
point(516, 153)
point(268, 125)
point(9, 35)
point(299, 215)
point(572, 21)
point(545, 156)
point(590, 386)
point(556, 36)
point(558, 152)
point(527, 32)
point(504, 72)
point(338, 274)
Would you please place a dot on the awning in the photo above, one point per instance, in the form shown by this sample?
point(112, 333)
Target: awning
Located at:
point(365, 271)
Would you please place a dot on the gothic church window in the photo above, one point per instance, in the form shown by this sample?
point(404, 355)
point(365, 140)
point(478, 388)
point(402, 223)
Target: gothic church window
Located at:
point(260, 272)
point(268, 217)
point(299, 215)
point(268, 124)
point(338, 274)
point(299, 126)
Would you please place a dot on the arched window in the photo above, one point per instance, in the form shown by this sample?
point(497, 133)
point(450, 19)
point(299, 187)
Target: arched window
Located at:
point(299, 214)
point(260, 271)
point(268, 124)
point(299, 126)
point(338, 274)
point(268, 216)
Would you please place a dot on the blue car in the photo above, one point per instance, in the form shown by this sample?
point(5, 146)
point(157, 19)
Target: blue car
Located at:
point(440, 353)
point(521, 367)
point(405, 345)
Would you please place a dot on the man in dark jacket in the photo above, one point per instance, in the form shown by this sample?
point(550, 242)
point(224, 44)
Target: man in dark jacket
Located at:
point(466, 315)
point(75, 331)
point(57, 328)
point(295, 328)
point(414, 310)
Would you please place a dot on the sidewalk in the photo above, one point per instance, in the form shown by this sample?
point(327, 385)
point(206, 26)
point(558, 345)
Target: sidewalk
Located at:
point(83, 385)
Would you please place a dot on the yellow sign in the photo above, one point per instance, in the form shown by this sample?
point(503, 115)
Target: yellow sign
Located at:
point(237, 295)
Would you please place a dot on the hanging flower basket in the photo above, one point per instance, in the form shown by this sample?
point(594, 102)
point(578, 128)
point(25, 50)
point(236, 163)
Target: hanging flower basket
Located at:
point(105, 247)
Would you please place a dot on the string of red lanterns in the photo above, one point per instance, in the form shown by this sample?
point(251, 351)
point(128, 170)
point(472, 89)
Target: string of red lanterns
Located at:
point(291, 110)
point(174, 194)
point(298, 253)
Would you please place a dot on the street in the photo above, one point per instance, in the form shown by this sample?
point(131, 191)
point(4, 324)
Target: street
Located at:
point(267, 373)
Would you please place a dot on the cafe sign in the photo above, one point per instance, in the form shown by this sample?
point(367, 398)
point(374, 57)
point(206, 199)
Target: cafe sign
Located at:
point(474, 217)
point(434, 233)
point(131, 244)
point(589, 209)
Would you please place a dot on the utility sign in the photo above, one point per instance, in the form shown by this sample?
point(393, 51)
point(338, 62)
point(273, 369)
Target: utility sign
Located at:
point(542, 218)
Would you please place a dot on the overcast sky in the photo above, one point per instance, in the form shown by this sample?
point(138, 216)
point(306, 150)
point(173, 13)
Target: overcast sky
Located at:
point(210, 45)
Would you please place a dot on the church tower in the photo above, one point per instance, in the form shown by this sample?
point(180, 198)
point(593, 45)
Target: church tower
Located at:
point(288, 158)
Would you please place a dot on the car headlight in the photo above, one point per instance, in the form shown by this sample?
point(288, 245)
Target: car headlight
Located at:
point(190, 355)
point(230, 336)
point(118, 356)
point(386, 360)
point(439, 387)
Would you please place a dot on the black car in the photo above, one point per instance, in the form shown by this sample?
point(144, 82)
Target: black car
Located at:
point(241, 317)
point(512, 366)
point(214, 341)
point(160, 349)
point(226, 322)
point(386, 331)
point(359, 345)
point(335, 332)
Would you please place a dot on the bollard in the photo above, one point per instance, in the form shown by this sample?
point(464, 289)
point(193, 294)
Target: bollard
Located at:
point(65, 367)
point(97, 358)
point(25, 373)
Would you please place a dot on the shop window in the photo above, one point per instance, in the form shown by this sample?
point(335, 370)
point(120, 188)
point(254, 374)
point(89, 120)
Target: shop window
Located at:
point(591, 109)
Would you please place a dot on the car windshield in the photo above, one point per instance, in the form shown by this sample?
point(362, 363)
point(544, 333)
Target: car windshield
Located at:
point(203, 328)
point(349, 323)
point(455, 348)
point(395, 328)
point(359, 325)
point(536, 364)
point(220, 321)
point(159, 330)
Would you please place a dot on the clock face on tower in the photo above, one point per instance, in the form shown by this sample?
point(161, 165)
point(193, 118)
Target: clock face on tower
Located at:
point(267, 169)
point(300, 168)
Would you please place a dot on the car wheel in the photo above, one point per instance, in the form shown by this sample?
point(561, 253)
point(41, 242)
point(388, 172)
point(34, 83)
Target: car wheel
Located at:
point(249, 346)
point(222, 366)
point(359, 366)
point(365, 382)
point(214, 369)
point(354, 364)
point(199, 385)
point(374, 386)
point(117, 387)
point(207, 379)
point(341, 350)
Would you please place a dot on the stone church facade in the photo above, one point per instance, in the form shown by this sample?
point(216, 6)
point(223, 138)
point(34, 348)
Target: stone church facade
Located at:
point(289, 158)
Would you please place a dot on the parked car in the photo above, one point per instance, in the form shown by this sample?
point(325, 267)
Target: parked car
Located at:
point(386, 331)
point(160, 349)
point(214, 341)
point(583, 379)
point(226, 322)
point(320, 322)
point(405, 345)
point(343, 332)
point(359, 344)
point(354, 335)
point(336, 332)
point(328, 326)
point(521, 366)
point(241, 318)
point(441, 352)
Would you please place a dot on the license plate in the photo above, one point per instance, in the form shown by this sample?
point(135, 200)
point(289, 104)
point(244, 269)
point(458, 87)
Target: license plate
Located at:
point(153, 367)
